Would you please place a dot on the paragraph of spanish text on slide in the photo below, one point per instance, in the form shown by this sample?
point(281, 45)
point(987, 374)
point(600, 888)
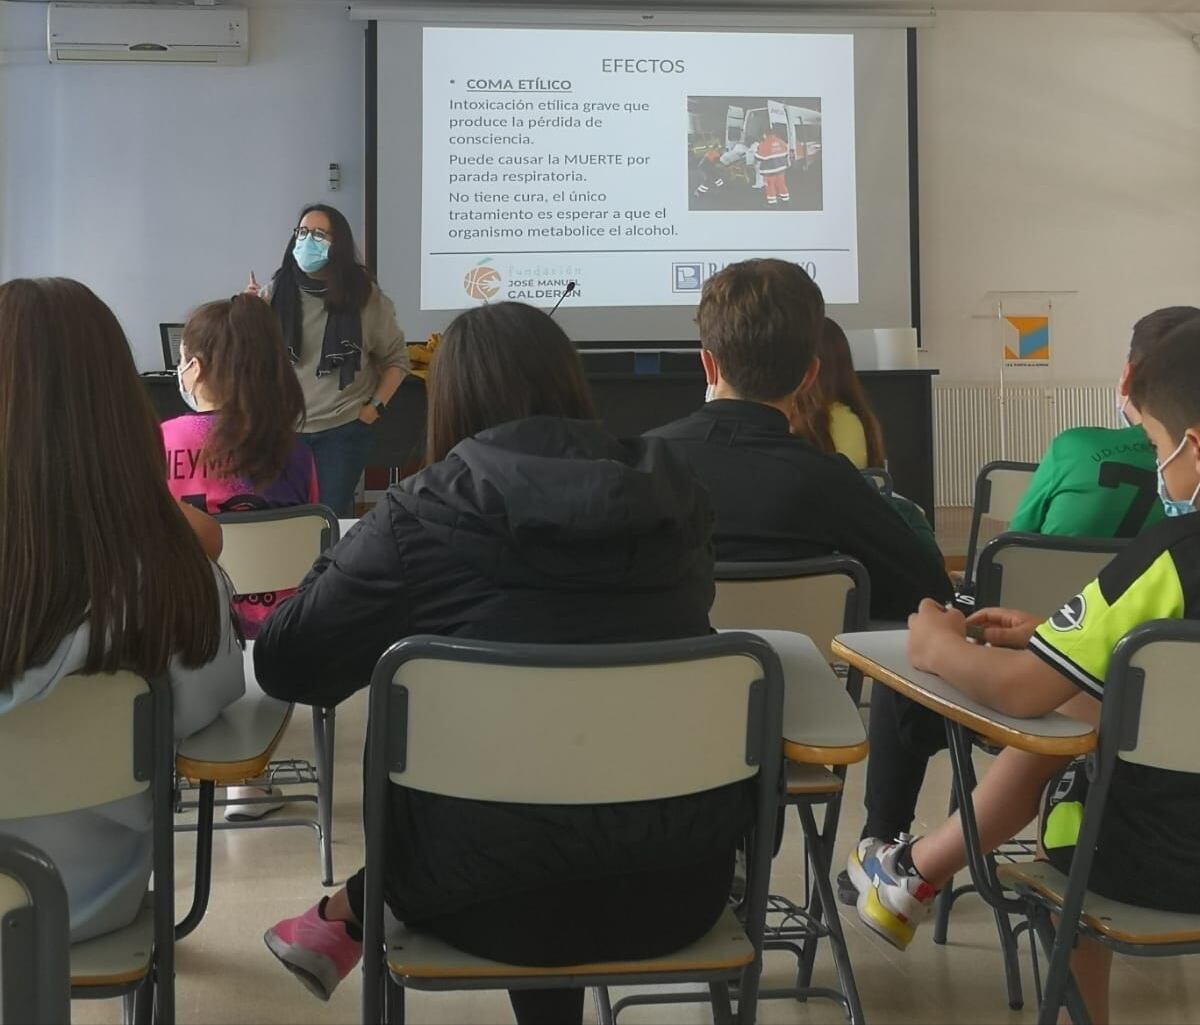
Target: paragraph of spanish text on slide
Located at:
point(635, 164)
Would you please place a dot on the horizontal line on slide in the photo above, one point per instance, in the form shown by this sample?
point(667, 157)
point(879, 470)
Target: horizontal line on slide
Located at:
point(564, 92)
point(588, 252)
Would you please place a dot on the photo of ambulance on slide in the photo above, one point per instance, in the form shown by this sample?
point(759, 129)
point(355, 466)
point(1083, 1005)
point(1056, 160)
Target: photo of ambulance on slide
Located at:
point(754, 153)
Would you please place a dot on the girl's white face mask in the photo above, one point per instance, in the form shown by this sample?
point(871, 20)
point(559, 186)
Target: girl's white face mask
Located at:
point(188, 397)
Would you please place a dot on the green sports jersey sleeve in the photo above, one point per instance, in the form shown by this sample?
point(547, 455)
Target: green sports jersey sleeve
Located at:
point(1079, 638)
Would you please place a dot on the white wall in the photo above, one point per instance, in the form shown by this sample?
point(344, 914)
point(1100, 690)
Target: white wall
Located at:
point(161, 186)
point(1057, 151)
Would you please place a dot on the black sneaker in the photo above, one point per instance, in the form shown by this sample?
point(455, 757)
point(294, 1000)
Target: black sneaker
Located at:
point(847, 893)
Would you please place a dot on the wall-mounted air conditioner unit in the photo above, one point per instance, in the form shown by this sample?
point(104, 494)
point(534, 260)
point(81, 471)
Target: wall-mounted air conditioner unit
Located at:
point(139, 33)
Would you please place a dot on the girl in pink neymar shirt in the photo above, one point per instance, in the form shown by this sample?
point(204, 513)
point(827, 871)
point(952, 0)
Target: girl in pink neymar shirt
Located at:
point(239, 449)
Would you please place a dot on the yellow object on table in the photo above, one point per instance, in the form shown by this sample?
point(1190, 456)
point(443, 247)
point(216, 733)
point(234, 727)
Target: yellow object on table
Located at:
point(420, 355)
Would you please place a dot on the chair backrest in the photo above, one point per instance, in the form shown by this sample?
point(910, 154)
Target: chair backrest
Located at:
point(820, 597)
point(573, 724)
point(35, 984)
point(272, 549)
point(91, 740)
point(71, 749)
point(881, 478)
point(1152, 676)
point(614, 723)
point(1038, 572)
point(998, 491)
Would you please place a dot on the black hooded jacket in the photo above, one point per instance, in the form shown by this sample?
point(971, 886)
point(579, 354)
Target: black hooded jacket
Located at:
point(542, 530)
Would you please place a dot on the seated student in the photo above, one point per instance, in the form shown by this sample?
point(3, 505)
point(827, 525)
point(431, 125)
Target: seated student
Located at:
point(834, 415)
point(238, 450)
point(775, 496)
point(98, 568)
point(1075, 492)
point(1150, 839)
point(1096, 482)
point(531, 523)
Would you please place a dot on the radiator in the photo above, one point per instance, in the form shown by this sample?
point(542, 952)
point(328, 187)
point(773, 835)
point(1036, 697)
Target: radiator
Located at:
point(975, 424)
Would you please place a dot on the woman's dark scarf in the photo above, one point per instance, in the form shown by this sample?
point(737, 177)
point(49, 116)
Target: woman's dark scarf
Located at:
point(341, 348)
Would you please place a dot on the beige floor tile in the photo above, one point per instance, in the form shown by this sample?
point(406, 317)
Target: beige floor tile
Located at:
point(225, 974)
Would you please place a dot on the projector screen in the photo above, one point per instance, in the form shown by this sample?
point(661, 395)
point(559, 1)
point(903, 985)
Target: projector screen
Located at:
point(513, 161)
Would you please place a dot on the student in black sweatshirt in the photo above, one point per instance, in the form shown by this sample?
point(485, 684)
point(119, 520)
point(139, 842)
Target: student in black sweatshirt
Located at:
point(531, 523)
point(776, 497)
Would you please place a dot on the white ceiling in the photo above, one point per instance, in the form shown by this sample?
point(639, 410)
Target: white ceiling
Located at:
point(1142, 6)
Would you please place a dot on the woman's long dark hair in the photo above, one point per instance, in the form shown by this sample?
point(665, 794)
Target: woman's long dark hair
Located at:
point(837, 382)
point(88, 530)
point(501, 362)
point(348, 282)
point(245, 370)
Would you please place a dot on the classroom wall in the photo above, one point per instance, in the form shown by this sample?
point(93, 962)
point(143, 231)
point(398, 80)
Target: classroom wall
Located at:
point(1057, 151)
point(162, 186)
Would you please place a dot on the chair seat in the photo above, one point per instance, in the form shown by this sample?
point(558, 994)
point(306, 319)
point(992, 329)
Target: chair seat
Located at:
point(117, 957)
point(415, 956)
point(810, 779)
point(1124, 923)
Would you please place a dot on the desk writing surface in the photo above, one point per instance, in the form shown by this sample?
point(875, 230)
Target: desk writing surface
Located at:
point(821, 723)
point(244, 734)
point(881, 656)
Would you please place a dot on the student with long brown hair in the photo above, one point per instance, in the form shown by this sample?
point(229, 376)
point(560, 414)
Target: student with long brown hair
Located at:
point(835, 415)
point(238, 449)
point(533, 524)
point(99, 570)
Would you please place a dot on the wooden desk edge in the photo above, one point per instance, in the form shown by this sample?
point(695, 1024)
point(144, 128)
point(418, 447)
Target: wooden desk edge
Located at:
point(232, 773)
point(992, 731)
point(807, 754)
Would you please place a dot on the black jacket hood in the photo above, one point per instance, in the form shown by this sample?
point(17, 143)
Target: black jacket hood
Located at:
point(554, 503)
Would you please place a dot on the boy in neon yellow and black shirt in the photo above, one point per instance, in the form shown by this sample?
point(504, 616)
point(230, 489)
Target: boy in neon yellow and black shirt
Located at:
point(1149, 847)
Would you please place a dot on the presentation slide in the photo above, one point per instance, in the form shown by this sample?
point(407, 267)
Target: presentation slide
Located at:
point(634, 164)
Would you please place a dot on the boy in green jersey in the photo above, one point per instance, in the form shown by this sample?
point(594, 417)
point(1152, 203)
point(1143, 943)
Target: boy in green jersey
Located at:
point(1096, 482)
point(1149, 844)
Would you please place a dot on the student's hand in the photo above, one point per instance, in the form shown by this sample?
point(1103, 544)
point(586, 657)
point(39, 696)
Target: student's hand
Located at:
point(1004, 628)
point(929, 628)
point(368, 414)
point(206, 528)
point(252, 286)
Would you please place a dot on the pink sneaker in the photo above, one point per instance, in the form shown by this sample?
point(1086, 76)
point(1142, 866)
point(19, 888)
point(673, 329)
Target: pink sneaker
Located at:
point(318, 952)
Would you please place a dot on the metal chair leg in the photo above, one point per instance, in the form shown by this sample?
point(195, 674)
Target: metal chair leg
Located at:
point(604, 1010)
point(393, 1000)
point(722, 1009)
point(1012, 960)
point(202, 887)
point(324, 722)
point(823, 898)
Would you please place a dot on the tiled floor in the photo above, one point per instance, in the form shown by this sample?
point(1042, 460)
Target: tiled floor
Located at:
point(225, 974)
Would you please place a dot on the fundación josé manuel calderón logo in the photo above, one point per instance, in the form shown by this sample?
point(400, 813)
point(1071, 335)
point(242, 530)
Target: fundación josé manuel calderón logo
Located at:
point(482, 282)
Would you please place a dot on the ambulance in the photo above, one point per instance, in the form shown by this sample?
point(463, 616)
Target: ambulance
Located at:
point(745, 127)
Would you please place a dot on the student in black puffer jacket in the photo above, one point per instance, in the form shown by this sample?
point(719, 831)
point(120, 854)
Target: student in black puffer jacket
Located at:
point(532, 524)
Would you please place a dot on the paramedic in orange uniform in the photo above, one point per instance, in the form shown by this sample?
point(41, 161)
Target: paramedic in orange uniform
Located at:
point(773, 159)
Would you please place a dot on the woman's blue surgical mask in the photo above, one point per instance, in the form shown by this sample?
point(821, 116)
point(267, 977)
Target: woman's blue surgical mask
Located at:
point(188, 397)
point(311, 254)
point(1174, 506)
